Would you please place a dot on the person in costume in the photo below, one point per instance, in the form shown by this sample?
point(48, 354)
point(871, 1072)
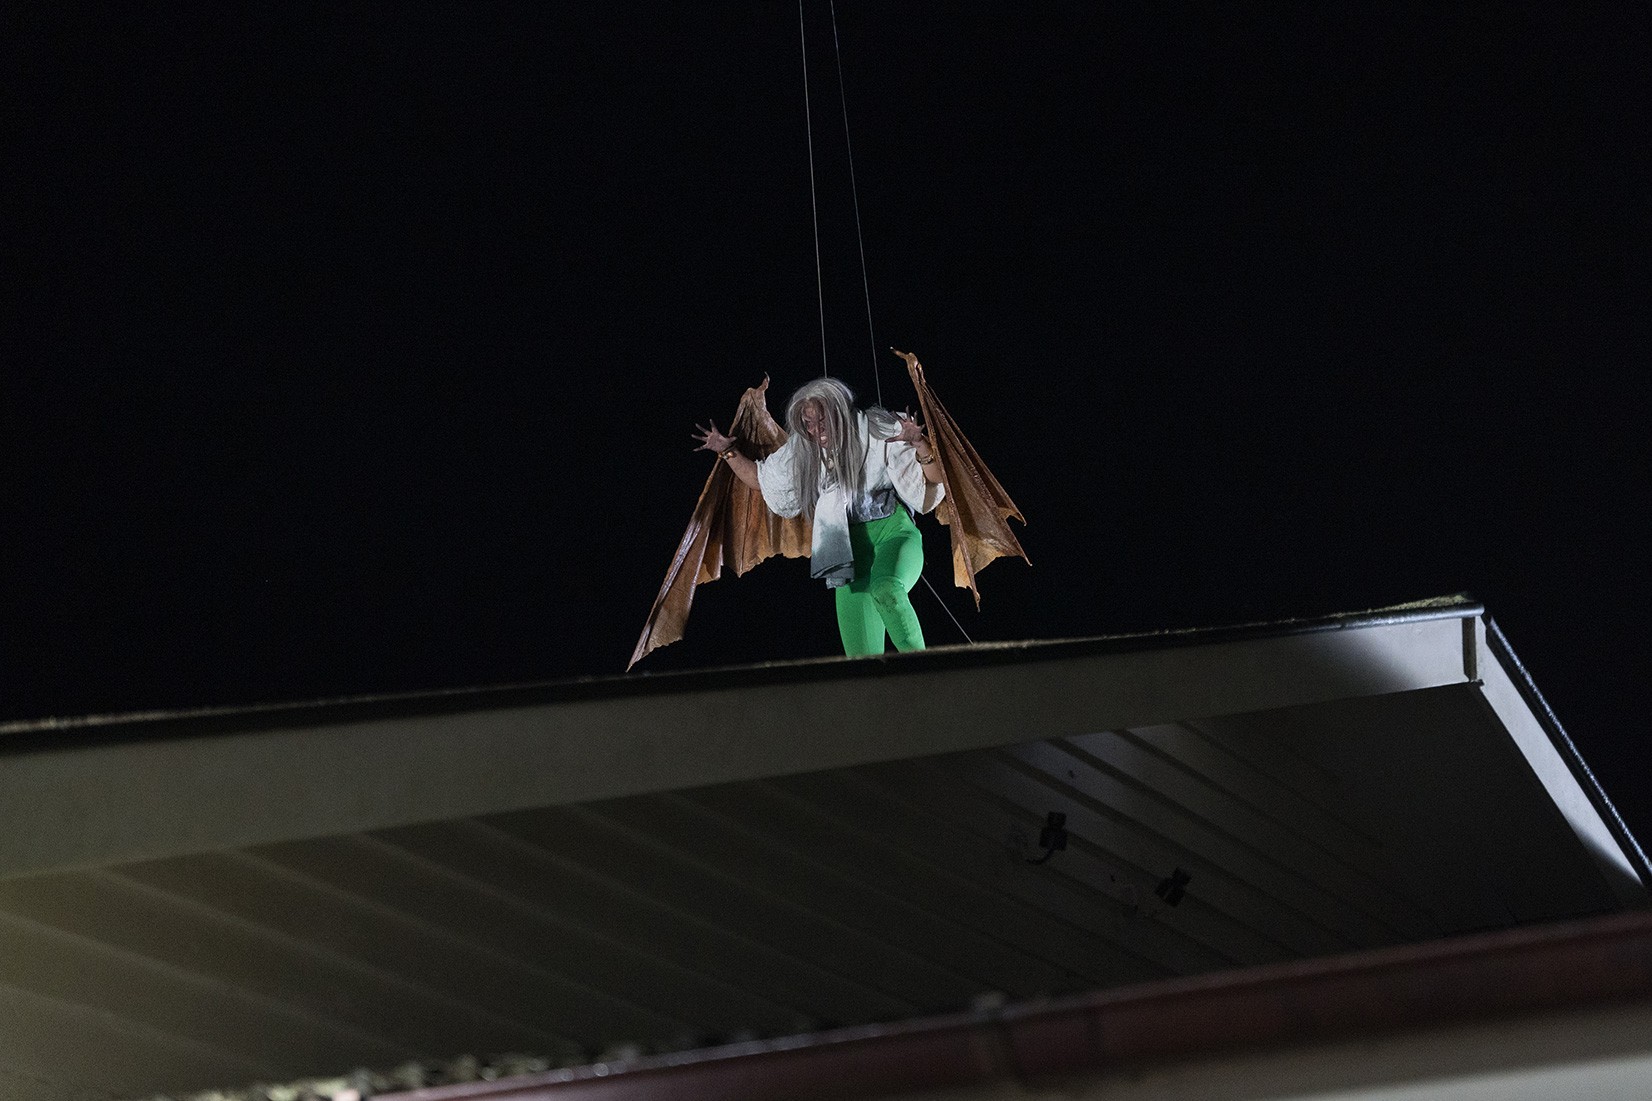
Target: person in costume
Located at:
point(855, 474)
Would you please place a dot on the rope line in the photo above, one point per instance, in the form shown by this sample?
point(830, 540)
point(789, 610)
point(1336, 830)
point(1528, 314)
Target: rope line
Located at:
point(814, 205)
point(854, 193)
point(860, 238)
point(945, 609)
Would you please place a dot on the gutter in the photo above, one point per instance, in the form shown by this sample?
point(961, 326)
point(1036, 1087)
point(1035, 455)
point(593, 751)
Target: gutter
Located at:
point(1466, 980)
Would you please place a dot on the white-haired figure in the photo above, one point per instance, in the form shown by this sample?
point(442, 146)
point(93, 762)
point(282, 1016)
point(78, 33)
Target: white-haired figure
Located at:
point(855, 474)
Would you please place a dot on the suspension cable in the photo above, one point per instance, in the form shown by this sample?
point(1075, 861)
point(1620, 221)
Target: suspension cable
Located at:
point(814, 205)
point(854, 193)
point(945, 609)
point(860, 239)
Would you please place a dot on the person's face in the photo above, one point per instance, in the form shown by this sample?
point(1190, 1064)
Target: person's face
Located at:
point(814, 423)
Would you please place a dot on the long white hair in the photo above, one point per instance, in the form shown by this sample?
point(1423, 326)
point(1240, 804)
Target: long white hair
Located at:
point(845, 456)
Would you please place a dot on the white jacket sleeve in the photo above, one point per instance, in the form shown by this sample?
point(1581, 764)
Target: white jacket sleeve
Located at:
point(776, 477)
point(907, 476)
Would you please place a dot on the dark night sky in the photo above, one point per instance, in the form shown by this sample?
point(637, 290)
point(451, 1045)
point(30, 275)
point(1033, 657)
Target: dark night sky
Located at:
point(355, 349)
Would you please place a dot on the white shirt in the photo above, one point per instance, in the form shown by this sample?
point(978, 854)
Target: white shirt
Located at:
point(890, 464)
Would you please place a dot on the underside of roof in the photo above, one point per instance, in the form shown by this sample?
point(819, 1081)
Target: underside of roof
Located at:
point(202, 900)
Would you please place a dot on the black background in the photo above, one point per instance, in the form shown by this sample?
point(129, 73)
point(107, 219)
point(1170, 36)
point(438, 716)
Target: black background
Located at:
point(355, 349)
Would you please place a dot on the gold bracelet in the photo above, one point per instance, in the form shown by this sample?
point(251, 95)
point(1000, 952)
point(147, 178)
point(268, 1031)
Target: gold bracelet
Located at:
point(921, 460)
point(729, 452)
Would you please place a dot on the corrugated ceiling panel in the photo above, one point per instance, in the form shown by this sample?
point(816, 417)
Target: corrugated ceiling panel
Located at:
point(621, 929)
point(1273, 780)
point(1288, 839)
point(725, 931)
point(979, 920)
point(569, 963)
point(1087, 888)
point(1459, 810)
point(406, 960)
point(65, 1051)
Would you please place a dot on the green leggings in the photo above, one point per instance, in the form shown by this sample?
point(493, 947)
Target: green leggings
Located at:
point(889, 558)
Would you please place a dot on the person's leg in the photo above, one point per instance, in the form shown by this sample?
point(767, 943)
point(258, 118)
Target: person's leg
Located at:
point(858, 621)
point(897, 563)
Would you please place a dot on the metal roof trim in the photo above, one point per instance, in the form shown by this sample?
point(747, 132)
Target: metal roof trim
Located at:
point(1484, 977)
point(1563, 744)
point(25, 735)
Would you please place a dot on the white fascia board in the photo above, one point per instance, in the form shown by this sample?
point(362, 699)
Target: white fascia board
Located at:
point(1502, 695)
point(175, 785)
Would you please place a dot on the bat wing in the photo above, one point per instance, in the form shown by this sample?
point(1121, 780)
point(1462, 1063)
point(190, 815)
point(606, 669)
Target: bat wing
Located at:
point(976, 510)
point(730, 526)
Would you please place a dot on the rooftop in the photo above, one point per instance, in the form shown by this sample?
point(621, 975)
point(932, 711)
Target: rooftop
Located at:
point(191, 900)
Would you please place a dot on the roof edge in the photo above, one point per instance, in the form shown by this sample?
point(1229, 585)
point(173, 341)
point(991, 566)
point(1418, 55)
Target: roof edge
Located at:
point(1467, 980)
point(1563, 744)
point(212, 720)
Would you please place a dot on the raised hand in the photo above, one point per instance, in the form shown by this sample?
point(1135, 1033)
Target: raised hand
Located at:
point(911, 430)
point(711, 439)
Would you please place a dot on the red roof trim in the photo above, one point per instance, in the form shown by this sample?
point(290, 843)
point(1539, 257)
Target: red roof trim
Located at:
point(1483, 977)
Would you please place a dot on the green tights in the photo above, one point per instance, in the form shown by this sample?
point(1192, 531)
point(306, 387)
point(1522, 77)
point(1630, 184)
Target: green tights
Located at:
point(889, 558)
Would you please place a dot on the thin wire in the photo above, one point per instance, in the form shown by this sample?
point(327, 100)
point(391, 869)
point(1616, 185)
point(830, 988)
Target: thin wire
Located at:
point(854, 193)
point(859, 237)
point(945, 609)
point(814, 205)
